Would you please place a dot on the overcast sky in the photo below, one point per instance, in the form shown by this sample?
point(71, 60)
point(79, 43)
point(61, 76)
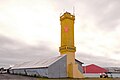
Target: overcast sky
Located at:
point(30, 29)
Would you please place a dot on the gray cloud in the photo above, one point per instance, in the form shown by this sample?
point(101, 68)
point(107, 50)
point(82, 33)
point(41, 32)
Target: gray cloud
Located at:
point(104, 14)
point(12, 51)
point(10, 55)
point(98, 60)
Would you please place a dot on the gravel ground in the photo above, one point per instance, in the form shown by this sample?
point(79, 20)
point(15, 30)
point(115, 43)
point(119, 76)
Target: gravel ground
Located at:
point(15, 77)
point(18, 77)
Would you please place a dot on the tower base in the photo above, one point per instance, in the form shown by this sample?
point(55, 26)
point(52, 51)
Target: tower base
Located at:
point(73, 71)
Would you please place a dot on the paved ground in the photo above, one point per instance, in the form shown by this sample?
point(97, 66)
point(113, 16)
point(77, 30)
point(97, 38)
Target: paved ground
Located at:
point(15, 77)
point(18, 77)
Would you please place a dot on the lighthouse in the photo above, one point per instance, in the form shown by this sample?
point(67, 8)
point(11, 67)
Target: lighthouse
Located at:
point(62, 66)
point(67, 44)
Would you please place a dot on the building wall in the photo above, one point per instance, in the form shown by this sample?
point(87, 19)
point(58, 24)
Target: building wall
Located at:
point(41, 72)
point(19, 71)
point(58, 69)
point(80, 68)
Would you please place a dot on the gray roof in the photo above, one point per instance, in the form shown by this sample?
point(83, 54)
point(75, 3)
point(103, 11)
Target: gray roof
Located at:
point(79, 61)
point(40, 63)
point(37, 63)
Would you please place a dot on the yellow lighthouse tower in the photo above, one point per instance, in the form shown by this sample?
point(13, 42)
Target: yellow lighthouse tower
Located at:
point(67, 44)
